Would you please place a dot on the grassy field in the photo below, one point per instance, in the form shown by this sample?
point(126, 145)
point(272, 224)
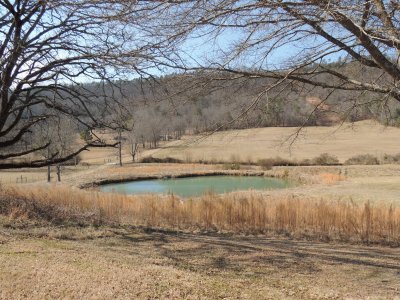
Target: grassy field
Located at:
point(238, 212)
point(109, 263)
point(327, 237)
point(62, 243)
point(39, 175)
point(345, 141)
point(364, 137)
point(250, 145)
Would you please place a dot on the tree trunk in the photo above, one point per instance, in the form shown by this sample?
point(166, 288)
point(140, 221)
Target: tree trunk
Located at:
point(134, 147)
point(48, 167)
point(58, 173)
point(120, 148)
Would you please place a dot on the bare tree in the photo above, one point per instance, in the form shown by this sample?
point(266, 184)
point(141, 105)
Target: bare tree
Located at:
point(295, 44)
point(47, 50)
point(61, 136)
point(133, 144)
point(50, 50)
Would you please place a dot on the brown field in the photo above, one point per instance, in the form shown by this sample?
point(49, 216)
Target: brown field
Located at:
point(40, 175)
point(250, 145)
point(249, 212)
point(344, 141)
point(110, 263)
point(335, 235)
point(240, 245)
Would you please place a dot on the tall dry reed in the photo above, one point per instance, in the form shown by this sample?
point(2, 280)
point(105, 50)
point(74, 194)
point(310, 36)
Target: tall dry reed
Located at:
point(238, 212)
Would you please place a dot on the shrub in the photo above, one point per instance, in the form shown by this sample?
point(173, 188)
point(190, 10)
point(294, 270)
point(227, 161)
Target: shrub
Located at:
point(268, 163)
point(325, 159)
point(362, 159)
point(391, 159)
point(151, 159)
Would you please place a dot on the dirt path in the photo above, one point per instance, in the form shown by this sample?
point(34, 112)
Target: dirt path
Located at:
point(109, 263)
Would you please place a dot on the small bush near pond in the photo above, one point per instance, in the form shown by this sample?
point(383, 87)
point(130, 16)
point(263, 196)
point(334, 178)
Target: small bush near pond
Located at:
point(322, 160)
point(325, 159)
point(362, 159)
point(150, 159)
point(268, 163)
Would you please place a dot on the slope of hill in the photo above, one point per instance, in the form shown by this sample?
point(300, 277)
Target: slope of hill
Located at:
point(345, 141)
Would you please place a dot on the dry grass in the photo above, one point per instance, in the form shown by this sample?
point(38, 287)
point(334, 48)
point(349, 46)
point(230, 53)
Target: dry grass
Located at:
point(236, 212)
point(364, 137)
point(125, 263)
point(330, 178)
point(250, 145)
point(157, 169)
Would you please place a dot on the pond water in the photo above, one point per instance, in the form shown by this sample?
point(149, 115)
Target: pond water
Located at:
point(196, 186)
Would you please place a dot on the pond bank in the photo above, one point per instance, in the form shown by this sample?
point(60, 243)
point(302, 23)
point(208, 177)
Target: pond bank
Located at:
point(135, 172)
point(133, 177)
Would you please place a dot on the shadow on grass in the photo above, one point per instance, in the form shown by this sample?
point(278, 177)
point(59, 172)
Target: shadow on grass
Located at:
point(258, 255)
point(214, 253)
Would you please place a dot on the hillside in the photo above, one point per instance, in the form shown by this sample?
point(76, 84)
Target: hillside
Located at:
point(345, 141)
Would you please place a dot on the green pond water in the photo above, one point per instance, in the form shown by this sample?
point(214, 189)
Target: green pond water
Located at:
point(196, 186)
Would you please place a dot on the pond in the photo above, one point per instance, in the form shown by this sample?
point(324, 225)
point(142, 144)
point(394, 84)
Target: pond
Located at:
point(196, 186)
